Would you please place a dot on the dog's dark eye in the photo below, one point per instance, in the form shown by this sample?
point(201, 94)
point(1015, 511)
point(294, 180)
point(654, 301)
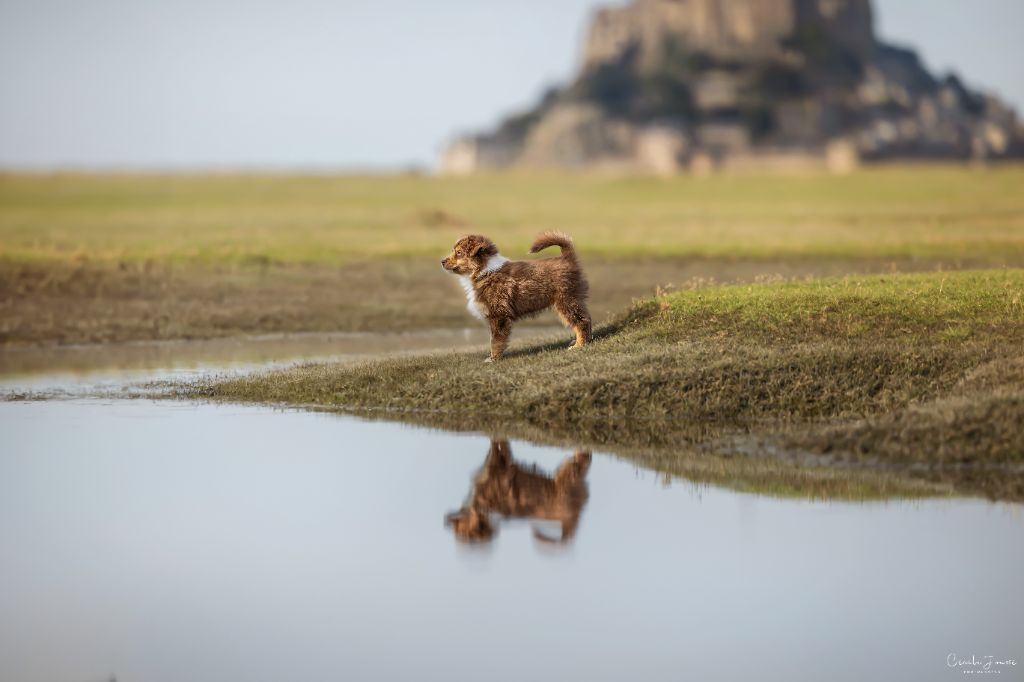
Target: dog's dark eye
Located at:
point(458, 252)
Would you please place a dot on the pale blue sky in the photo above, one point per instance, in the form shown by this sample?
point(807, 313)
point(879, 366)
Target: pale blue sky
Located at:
point(349, 84)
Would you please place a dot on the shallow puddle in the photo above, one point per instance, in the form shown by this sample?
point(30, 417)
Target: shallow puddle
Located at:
point(81, 369)
point(170, 541)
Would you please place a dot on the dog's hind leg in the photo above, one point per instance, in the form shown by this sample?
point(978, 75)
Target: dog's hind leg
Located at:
point(501, 329)
point(575, 315)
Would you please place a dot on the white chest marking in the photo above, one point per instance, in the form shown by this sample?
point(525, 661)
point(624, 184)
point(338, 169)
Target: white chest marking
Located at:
point(475, 307)
point(471, 303)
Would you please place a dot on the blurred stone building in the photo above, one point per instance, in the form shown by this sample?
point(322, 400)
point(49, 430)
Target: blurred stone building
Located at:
point(667, 85)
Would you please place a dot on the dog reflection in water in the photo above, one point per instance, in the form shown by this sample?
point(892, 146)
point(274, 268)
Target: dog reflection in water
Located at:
point(506, 488)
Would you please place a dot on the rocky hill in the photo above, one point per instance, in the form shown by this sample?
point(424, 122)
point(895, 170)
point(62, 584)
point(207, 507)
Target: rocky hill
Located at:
point(667, 85)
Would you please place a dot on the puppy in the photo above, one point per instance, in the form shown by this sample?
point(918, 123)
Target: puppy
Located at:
point(501, 291)
point(506, 488)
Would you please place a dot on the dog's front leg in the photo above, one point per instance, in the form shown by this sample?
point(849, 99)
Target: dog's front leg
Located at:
point(501, 329)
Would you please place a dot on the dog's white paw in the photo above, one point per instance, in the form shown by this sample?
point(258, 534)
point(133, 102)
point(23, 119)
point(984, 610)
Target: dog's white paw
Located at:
point(488, 360)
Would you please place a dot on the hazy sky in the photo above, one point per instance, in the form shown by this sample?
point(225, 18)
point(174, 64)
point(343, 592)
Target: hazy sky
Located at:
point(342, 83)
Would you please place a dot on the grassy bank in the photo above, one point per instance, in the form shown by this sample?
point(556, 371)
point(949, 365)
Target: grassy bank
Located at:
point(917, 374)
point(100, 258)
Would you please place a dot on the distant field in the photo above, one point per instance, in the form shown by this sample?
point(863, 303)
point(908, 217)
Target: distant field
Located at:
point(102, 258)
point(947, 213)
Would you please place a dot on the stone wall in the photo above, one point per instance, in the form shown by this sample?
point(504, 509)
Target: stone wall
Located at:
point(747, 28)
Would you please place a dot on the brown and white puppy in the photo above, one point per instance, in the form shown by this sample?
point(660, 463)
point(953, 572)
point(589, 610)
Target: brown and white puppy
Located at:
point(505, 488)
point(501, 291)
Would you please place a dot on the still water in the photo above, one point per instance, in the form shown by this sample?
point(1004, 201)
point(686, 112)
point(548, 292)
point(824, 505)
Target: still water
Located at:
point(166, 541)
point(82, 369)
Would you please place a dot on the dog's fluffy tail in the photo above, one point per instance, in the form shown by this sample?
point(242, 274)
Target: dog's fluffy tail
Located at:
point(560, 239)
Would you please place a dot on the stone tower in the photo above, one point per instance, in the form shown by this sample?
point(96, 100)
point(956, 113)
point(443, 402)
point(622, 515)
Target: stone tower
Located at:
point(738, 29)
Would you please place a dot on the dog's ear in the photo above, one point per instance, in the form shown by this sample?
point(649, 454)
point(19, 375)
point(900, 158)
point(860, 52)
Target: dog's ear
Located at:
point(482, 247)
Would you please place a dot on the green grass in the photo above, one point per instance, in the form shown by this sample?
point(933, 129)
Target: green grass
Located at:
point(921, 307)
point(921, 373)
point(109, 258)
point(935, 213)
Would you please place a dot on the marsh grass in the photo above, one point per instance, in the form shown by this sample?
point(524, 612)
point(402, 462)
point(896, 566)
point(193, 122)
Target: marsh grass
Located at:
point(101, 258)
point(915, 373)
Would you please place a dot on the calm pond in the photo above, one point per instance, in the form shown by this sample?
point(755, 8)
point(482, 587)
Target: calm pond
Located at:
point(160, 541)
point(84, 368)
